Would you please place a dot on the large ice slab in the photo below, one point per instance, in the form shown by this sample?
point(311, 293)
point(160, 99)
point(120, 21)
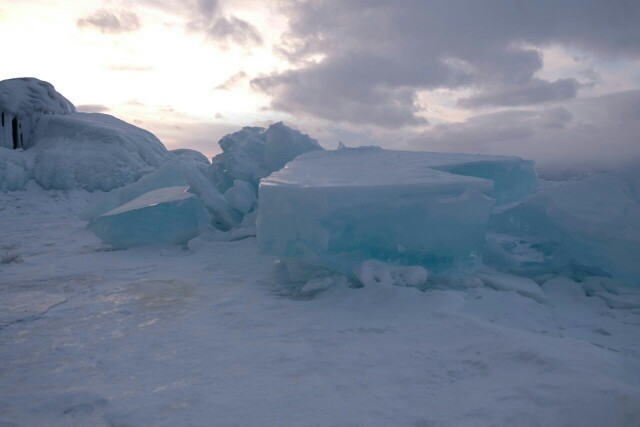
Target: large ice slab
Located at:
point(339, 208)
point(594, 221)
point(513, 178)
point(179, 171)
point(167, 215)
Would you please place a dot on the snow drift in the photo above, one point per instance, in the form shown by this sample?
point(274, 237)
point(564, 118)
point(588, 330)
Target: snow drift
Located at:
point(71, 150)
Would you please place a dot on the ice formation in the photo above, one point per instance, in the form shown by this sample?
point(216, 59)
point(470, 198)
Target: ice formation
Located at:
point(242, 196)
point(340, 208)
point(253, 153)
point(191, 154)
point(594, 222)
point(93, 152)
point(168, 215)
point(22, 102)
point(176, 172)
point(14, 170)
point(71, 150)
point(377, 273)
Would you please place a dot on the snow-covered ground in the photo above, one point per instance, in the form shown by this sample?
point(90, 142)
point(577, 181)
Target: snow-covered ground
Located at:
point(171, 336)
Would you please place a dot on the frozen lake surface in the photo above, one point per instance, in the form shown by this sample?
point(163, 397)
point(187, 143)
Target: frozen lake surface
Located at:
point(171, 336)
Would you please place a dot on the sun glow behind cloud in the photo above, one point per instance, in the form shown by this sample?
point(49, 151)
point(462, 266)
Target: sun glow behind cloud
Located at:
point(161, 73)
point(370, 73)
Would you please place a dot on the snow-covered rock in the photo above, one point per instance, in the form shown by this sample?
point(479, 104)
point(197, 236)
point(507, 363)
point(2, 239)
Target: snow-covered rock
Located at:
point(340, 208)
point(93, 152)
point(168, 215)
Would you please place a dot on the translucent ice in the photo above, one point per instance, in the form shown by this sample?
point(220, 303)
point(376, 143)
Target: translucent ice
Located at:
point(253, 153)
point(167, 215)
point(594, 221)
point(513, 178)
point(177, 172)
point(340, 208)
point(283, 144)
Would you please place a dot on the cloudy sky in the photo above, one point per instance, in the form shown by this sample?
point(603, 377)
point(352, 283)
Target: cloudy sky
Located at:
point(557, 81)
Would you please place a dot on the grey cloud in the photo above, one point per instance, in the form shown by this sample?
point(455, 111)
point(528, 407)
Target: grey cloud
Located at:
point(232, 81)
point(111, 22)
point(599, 132)
point(234, 30)
point(378, 50)
point(535, 91)
point(92, 108)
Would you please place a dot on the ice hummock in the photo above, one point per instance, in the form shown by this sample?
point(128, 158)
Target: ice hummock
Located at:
point(592, 223)
point(14, 170)
point(253, 153)
point(167, 215)
point(93, 151)
point(28, 95)
point(72, 150)
point(340, 208)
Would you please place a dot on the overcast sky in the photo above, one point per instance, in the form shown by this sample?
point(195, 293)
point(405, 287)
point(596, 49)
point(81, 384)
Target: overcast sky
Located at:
point(557, 81)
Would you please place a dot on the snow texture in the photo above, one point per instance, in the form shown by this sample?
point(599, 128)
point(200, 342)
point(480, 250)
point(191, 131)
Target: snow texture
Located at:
point(253, 153)
point(340, 208)
point(22, 102)
point(14, 169)
point(594, 221)
point(27, 96)
point(163, 336)
point(376, 273)
point(168, 215)
point(191, 154)
point(93, 152)
point(242, 196)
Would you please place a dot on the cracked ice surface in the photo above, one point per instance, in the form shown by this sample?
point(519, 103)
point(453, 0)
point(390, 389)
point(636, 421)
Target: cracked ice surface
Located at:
point(166, 336)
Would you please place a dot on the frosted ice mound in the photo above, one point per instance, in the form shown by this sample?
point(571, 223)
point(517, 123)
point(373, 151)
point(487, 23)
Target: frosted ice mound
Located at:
point(594, 221)
point(167, 215)
point(339, 208)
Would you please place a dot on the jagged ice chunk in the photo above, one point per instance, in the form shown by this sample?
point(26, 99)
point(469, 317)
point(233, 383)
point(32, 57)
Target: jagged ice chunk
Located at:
point(168, 215)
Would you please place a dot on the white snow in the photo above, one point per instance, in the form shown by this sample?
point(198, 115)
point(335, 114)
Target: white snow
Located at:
point(191, 154)
point(377, 273)
point(26, 96)
point(93, 152)
point(241, 196)
point(166, 336)
point(14, 169)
